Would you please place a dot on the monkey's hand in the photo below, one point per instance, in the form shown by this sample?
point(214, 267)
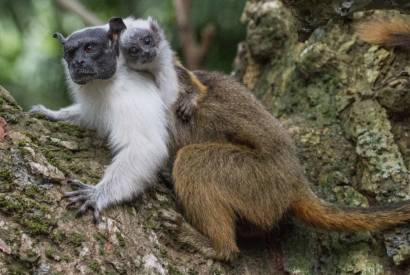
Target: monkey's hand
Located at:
point(186, 106)
point(41, 109)
point(89, 196)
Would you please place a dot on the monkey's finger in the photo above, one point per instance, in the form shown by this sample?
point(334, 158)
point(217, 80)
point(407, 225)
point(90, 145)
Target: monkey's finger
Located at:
point(182, 116)
point(83, 208)
point(170, 226)
point(96, 216)
point(71, 204)
point(185, 108)
point(73, 193)
point(79, 198)
point(78, 184)
point(185, 111)
point(171, 216)
point(180, 110)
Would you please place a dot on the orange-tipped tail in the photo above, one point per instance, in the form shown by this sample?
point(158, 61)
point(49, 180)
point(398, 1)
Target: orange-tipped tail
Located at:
point(319, 213)
point(395, 33)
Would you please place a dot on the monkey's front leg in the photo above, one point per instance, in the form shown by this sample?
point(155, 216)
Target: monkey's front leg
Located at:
point(69, 114)
point(129, 174)
point(186, 105)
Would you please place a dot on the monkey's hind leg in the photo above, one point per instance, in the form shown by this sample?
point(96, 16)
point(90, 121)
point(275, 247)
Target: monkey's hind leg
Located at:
point(200, 174)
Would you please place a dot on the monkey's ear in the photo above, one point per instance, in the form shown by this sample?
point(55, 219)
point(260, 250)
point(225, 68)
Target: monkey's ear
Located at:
point(153, 24)
point(116, 25)
point(60, 37)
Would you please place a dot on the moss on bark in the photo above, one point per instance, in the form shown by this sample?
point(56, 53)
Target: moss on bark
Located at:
point(345, 102)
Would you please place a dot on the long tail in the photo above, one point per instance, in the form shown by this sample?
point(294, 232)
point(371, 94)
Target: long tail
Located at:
point(319, 213)
point(390, 33)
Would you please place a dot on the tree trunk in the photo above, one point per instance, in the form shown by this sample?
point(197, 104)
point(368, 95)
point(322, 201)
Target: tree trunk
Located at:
point(345, 103)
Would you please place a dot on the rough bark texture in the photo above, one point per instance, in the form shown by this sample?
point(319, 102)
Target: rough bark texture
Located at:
point(346, 104)
point(311, 14)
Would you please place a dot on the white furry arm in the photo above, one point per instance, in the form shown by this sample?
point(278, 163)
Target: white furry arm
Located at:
point(134, 118)
point(131, 172)
point(70, 113)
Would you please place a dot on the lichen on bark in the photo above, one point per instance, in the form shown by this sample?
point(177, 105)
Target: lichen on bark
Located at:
point(39, 235)
point(344, 102)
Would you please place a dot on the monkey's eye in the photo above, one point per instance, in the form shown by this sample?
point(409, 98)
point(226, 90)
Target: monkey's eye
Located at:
point(69, 53)
point(147, 40)
point(89, 48)
point(133, 50)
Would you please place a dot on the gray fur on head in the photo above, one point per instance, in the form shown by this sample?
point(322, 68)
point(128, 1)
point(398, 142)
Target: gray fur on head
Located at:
point(142, 42)
point(144, 48)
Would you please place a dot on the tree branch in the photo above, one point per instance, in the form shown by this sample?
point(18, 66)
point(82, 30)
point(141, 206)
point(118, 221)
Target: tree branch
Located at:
point(193, 51)
point(76, 7)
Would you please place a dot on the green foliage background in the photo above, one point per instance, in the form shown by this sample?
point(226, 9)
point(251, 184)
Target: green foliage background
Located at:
point(30, 59)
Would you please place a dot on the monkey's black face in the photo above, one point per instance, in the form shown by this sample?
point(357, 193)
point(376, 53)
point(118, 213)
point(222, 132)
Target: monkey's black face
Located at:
point(140, 47)
point(90, 55)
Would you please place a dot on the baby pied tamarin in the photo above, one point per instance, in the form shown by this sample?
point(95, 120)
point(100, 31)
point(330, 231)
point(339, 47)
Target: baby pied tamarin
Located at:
point(145, 49)
point(125, 106)
point(236, 164)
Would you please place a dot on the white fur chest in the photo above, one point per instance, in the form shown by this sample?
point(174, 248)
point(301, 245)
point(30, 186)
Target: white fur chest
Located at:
point(127, 109)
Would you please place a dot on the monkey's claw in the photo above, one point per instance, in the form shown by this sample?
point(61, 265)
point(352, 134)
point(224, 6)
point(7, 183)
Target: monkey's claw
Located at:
point(172, 219)
point(185, 109)
point(87, 196)
point(186, 234)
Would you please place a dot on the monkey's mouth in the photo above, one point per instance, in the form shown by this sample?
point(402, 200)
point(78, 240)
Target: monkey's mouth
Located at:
point(145, 61)
point(140, 59)
point(147, 58)
point(84, 72)
point(82, 76)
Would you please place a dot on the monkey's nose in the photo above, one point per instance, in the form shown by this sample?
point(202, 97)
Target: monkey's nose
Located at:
point(78, 63)
point(134, 51)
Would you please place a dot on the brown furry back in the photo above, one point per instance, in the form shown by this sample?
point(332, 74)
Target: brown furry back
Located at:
point(394, 33)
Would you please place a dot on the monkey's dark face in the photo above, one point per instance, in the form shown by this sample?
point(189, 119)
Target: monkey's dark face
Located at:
point(90, 55)
point(140, 46)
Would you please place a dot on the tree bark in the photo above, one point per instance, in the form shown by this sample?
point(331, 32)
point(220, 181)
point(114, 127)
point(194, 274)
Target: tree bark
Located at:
point(40, 235)
point(344, 102)
point(311, 14)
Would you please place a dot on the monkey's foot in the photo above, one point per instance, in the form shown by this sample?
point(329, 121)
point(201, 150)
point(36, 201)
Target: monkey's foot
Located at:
point(85, 194)
point(185, 107)
point(188, 235)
